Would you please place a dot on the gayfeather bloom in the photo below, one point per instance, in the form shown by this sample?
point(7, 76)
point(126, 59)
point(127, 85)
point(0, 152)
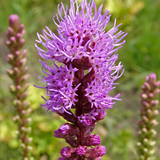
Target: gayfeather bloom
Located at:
point(79, 89)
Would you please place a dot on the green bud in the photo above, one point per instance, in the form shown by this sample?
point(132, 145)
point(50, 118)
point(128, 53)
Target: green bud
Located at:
point(153, 132)
point(145, 118)
point(154, 122)
point(29, 147)
point(152, 152)
point(17, 103)
point(145, 140)
point(10, 73)
point(152, 143)
point(26, 104)
point(145, 150)
point(142, 157)
point(24, 78)
point(23, 145)
point(24, 95)
point(12, 88)
point(139, 144)
point(156, 112)
point(144, 130)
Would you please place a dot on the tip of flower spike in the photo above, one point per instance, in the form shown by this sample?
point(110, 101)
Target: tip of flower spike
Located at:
point(14, 21)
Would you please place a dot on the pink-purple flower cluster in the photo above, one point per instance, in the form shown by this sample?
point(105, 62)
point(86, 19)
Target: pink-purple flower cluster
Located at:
point(79, 89)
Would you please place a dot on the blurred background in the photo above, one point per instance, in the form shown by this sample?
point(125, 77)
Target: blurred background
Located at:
point(140, 56)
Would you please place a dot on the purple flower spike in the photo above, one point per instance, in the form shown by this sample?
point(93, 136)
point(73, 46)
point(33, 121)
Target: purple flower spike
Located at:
point(79, 89)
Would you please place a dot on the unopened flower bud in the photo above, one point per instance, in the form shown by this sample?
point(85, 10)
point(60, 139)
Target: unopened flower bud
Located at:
point(81, 150)
point(152, 143)
point(65, 130)
point(93, 140)
point(152, 152)
point(22, 41)
point(151, 95)
point(18, 36)
point(10, 72)
point(145, 104)
point(145, 150)
point(145, 118)
point(11, 32)
point(28, 110)
point(26, 104)
point(84, 121)
point(29, 120)
point(10, 58)
point(16, 118)
point(96, 151)
point(29, 147)
point(23, 61)
point(23, 145)
point(24, 95)
point(22, 33)
point(145, 140)
point(139, 144)
point(24, 78)
point(24, 129)
point(23, 112)
point(18, 87)
point(144, 130)
point(13, 39)
point(153, 132)
point(21, 27)
point(8, 42)
point(156, 112)
point(154, 103)
point(66, 152)
point(149, 112)
point(157, 84)
point(12, 88)
point(147, 86)
point(154, 122)
point(144, 96)
point(17, 103)
point(17, 53)
point(30, 139)
point(14, 21)
point(157, 91)
point(151, 78)
point(17, 71)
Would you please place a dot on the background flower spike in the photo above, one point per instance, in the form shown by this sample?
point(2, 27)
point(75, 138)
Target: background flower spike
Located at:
point(18, 74)
point(146, 144)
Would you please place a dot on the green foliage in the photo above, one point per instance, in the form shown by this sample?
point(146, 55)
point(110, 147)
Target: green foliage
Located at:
point(140, 55)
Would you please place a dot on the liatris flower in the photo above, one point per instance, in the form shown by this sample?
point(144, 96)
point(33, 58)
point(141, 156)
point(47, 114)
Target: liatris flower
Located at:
point(79, 89)
point(18, 74)
point(148, 115)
